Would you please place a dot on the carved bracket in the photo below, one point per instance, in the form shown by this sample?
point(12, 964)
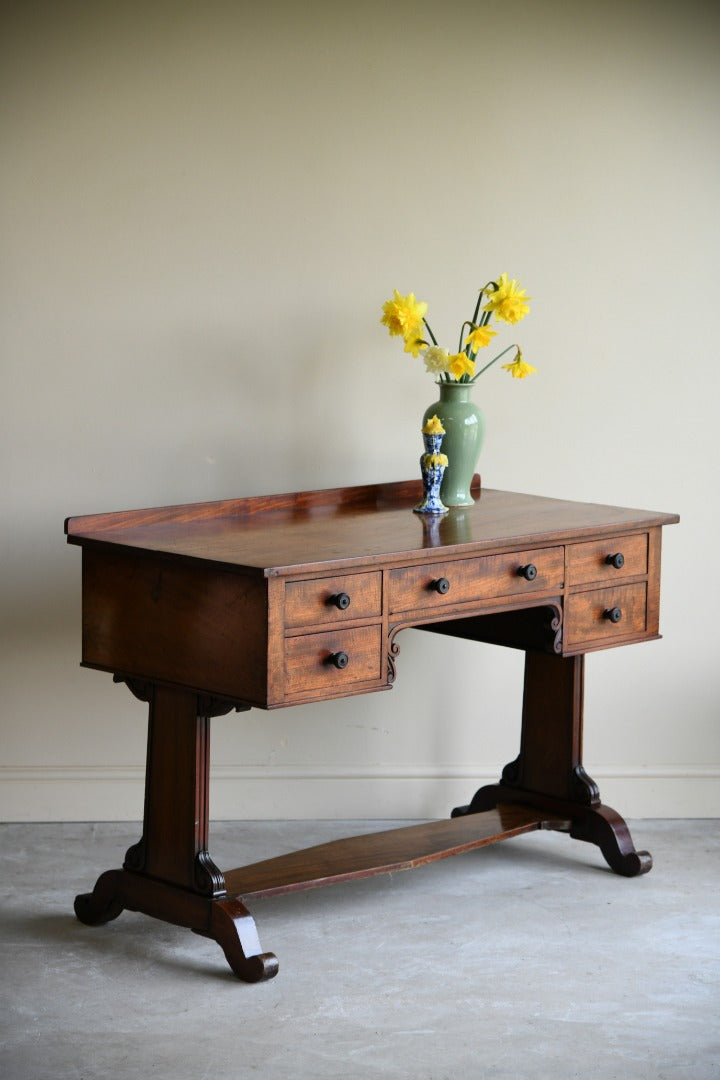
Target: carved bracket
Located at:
point(208, 705)
point(135, 857)
point(142, 689)
point(583, 788)
point(208, 878)
point(393, 652)
point(555, 625)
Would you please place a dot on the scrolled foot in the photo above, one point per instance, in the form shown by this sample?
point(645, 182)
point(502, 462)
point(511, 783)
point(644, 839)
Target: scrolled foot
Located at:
point(233, 927)
point(103, 904)
point(604, 827)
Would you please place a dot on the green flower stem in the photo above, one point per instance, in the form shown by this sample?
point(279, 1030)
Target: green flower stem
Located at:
point(498, 357)
point(427, 327)
point(477, 306)
point(460, 344)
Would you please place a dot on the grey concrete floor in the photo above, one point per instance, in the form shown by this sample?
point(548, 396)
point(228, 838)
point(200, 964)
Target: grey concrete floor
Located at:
point(526, 959)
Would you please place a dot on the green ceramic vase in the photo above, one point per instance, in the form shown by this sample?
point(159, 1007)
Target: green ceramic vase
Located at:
point(464, 432)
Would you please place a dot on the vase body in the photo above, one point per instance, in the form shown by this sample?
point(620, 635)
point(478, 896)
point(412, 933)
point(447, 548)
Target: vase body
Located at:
point(464, 432)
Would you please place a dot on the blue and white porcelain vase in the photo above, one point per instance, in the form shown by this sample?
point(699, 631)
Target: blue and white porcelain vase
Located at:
point(432, 468)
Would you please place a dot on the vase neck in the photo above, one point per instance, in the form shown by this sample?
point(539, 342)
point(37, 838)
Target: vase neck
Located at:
point(455, 391)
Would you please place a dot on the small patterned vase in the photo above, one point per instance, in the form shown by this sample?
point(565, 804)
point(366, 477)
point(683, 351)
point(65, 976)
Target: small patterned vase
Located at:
point(432, 468)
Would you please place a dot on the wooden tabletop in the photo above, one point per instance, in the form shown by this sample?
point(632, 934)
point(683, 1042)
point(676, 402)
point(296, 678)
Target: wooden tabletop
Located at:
point(279, 534)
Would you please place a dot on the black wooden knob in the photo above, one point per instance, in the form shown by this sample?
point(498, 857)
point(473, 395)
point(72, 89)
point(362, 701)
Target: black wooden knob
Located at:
point(614, 614)
point(339, 660)
point(340, 600)
point(617, 560)
point(440, 585)
point(529, 572)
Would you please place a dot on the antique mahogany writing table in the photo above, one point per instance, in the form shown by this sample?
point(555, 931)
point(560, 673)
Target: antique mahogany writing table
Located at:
point(280, 600)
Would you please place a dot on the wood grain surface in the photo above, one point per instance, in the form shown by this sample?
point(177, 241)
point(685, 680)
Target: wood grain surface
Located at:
point(276, 535)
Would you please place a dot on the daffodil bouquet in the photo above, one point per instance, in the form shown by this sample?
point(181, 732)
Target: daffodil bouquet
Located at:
point(404, 317)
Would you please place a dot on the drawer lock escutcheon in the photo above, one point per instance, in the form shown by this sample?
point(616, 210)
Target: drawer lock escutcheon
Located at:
point(613, 614)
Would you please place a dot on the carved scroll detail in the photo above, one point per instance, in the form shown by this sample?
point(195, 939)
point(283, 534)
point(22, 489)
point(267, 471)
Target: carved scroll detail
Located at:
point(209, 879)
point(555, 612)
point(393, 651)
point(583, 788)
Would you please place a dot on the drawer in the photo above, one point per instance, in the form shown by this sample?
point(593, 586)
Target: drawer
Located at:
point(309, 660)
point(593, 561)
point(333, 599)
point(587, 614)
point(438, 585)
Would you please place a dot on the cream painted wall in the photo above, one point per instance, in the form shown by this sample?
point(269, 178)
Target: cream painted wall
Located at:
point(204, 207)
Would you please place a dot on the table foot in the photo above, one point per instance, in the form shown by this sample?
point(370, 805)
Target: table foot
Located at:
point(226, 921)
point(104, 903)
point(233, 928)
point(604, 827)
point(599, 825)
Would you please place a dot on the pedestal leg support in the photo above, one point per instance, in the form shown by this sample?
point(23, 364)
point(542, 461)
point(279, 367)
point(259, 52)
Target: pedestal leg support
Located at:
point(227, 921)
point(548, 773)
point(169, 874)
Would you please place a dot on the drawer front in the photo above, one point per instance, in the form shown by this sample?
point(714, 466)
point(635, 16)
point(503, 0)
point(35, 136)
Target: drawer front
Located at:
point(435, 586)
point(309, 662)
point(587, 614)
point(594, 561)
point(344, 598)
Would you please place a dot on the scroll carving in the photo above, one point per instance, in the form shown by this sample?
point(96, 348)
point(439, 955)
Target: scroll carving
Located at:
point(555, 612)
point(583, 788)
point(393, 652)
point(209, 879)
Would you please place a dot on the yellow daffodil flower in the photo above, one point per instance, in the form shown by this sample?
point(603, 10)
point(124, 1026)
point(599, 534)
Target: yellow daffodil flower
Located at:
point(433, 426)
point(508, 302)
point(459, 364)
point(480, 337)
point(403, 315)
point(519, 369)
point(414, 344)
